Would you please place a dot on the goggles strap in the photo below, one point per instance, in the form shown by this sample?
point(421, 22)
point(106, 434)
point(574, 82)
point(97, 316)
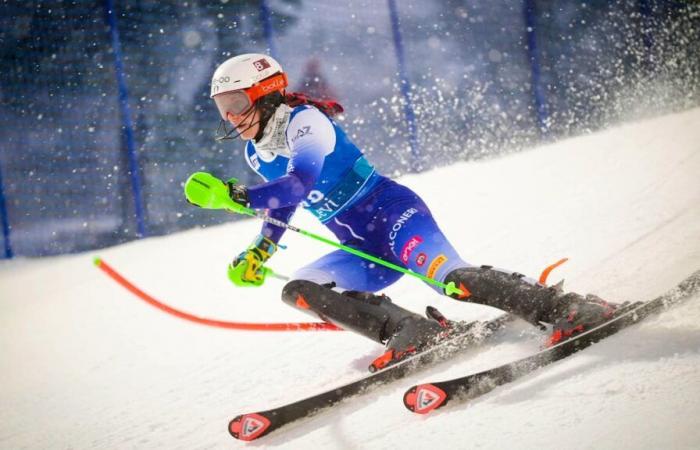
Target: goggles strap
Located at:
point(228, 134)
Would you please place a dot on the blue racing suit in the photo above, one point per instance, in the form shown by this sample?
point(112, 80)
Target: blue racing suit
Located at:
point(315, 165)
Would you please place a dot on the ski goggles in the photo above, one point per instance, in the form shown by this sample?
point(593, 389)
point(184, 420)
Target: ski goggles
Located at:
point(240, 101)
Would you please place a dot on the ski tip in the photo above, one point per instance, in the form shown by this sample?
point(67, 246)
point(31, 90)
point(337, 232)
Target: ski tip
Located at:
point(424, 398)
point(248, 427)
point(97, 261)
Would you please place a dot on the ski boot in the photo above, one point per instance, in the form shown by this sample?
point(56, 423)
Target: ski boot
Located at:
point(374, 316)
point(570, 313)
point(413, 334)
point(583, 314)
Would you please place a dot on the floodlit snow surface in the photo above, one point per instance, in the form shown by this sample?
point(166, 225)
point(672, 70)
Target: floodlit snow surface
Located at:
point(85, 364)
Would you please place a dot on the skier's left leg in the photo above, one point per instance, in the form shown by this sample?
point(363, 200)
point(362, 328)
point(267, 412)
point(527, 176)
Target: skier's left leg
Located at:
point(415, 238)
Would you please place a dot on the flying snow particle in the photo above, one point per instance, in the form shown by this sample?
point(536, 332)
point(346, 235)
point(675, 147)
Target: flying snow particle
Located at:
point(434, 42)
point(192, 38)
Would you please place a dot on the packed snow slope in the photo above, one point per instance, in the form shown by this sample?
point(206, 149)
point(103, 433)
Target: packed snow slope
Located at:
point(84, 364)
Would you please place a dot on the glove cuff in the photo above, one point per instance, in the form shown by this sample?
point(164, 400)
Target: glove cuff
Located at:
point(238, 192)
point(266, 247)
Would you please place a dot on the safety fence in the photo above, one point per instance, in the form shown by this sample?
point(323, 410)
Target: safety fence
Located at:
point(106, 111)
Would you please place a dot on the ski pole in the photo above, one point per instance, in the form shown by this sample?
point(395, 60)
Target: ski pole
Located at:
point(207, 191)
point(279, 276)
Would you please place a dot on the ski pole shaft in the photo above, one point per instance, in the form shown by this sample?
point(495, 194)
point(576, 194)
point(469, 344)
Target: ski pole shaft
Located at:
point(207, 191)
point(449, 288)
point(279, 276)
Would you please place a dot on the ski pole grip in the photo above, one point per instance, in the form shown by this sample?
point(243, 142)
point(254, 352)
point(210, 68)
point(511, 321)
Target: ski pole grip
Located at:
point(206, 191)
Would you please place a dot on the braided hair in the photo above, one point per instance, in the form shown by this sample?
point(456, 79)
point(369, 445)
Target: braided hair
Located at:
point(268, 104)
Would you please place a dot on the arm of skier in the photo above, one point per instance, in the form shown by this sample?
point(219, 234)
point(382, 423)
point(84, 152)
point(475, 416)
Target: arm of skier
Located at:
point(273, 232)
point(311, 137)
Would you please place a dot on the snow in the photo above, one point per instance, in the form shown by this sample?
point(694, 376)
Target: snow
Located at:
point(84, 364)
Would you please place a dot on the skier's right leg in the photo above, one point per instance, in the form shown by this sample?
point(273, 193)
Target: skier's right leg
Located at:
point(376, 317)
point(371, 315)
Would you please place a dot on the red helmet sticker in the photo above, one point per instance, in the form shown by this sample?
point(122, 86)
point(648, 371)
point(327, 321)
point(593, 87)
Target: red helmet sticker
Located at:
point(261, 64)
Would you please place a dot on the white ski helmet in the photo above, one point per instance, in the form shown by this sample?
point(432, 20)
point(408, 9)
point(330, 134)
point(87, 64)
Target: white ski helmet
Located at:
point(239, 81)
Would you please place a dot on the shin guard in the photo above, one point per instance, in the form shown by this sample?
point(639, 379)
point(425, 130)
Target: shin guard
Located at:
point(511, 292)
point(373, 316)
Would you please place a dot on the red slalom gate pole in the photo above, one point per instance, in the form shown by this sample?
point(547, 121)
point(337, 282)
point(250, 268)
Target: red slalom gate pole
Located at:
point(293, 326)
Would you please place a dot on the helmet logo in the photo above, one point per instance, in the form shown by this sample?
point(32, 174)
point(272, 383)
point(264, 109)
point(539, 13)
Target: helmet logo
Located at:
point(274, 85)
point(261, 64)
point(218, 81)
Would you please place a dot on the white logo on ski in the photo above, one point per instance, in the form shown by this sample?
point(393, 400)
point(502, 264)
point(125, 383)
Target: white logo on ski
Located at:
point(426, 399)
point(251, 425)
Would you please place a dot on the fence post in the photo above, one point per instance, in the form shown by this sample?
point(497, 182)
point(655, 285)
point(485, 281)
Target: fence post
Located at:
point(266, 18)
point(405, 85)
point(5, 220)
point(127, 124)
point(646, 12)
point(538, 94)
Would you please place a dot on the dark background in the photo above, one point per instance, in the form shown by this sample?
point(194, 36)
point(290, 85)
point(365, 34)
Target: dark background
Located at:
point(484, 78)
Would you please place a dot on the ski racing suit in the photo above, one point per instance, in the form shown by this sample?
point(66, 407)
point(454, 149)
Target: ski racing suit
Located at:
point(322, 170)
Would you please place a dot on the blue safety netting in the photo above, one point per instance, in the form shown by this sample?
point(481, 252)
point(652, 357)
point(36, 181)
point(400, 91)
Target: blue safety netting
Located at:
point(105, 106)
point(63, 178)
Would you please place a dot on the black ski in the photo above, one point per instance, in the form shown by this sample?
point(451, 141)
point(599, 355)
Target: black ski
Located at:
point(252, 426)
point(424, 398)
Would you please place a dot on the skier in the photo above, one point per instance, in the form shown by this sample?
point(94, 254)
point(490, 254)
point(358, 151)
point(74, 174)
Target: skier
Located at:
point(305, 158)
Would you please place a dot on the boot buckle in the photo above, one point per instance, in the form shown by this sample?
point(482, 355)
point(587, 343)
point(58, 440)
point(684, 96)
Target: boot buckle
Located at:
point(389, 357)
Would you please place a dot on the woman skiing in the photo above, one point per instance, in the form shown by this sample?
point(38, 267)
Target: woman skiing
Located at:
point(305, 158)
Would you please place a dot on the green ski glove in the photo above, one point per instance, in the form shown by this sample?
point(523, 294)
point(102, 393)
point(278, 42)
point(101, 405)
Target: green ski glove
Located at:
point(247, 269)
